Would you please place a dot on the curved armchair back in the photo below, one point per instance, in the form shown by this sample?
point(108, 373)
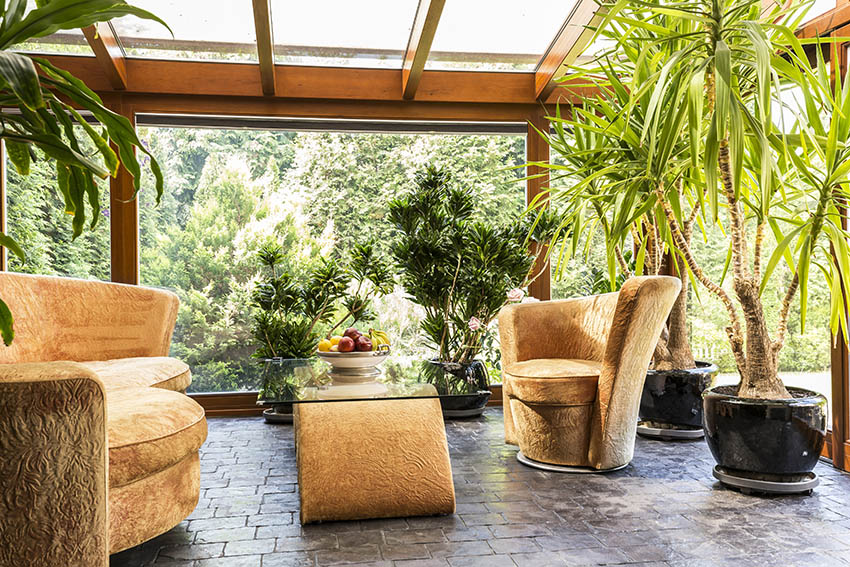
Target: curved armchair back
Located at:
point(565, 328)
point(80, 320)
point(643, 305)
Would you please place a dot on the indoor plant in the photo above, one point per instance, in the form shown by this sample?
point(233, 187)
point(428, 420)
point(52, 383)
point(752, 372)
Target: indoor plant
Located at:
point(462, 271)
point(606, 178)
point(784, 172)
point(292, 314)
point(49, 101)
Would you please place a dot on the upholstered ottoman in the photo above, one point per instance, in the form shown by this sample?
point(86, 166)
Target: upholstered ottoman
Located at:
point(372, 459)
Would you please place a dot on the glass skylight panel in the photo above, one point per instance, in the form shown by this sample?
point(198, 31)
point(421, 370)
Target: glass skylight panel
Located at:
point(222, 31)
point(342, 33)
point(64, 42)
point(496, 35)
point(819, 7)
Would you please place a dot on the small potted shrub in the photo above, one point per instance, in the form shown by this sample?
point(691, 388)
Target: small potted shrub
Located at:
point(461, 271)
point(293, 316)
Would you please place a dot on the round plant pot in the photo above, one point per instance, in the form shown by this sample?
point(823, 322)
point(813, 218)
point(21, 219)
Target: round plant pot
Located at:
point(281, 413)
point(464, 388)
point(672, 399)
point(770, 441)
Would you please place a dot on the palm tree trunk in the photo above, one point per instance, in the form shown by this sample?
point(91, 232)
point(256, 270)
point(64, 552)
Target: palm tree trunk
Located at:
point(759, 371)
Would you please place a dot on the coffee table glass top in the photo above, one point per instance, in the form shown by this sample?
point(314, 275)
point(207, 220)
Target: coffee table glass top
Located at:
point(353, 376)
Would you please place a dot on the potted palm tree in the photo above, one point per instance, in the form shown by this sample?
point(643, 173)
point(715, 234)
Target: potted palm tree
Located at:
point(49, 124)
point(462, 271)
point(776, 167)
point(605, 178)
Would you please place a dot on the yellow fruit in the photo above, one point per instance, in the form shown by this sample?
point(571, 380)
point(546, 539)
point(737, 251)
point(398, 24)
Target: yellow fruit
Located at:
point(379, 337)
point(325, 346)
point(335, 340)
point(335, 348)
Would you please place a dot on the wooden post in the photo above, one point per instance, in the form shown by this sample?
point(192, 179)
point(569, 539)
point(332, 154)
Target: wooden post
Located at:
point(3, 253)
point(124, 217)
point(839, 352)
point(537, 150)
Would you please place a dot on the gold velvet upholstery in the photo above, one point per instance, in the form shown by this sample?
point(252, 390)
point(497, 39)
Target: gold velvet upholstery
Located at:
point(110, 428)
point(145, 371)
point(53, 466)
point(80, 320)
point(372, 459)
point(150, 430)
point(574, 371)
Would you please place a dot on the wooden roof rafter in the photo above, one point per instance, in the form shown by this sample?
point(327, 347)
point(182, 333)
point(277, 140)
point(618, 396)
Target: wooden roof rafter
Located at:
point(107, 49)
point(422, 33)
point(265, 44)
point(573, 37)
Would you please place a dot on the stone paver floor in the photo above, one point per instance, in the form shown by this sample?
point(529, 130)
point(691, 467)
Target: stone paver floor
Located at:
point(663, 509)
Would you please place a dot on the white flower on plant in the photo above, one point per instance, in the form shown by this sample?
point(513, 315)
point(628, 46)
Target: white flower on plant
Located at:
point(529, 299)
point(516, 294)
point(475, 324)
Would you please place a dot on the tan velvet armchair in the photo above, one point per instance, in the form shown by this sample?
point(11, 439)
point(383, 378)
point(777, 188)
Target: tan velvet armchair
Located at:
point(574, 370)
point(98, 447)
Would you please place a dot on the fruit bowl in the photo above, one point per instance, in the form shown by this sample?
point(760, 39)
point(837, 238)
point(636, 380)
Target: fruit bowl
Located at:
point(355, 359)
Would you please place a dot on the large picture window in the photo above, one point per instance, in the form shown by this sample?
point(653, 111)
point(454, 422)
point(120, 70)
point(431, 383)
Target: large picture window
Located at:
point(230, 191)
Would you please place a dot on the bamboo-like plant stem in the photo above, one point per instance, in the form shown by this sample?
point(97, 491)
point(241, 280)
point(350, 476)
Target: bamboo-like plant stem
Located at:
point(624, 267)
point(736, 220)
point(734, 330)
point(757, 251)
point(783, 313)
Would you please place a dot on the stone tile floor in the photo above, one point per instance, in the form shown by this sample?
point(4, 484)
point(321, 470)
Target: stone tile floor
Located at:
point(664, 509)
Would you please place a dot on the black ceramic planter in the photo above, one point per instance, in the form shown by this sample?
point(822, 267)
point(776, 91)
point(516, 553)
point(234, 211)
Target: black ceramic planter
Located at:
point(769, 440)
point(464, 388)
point(674, 397)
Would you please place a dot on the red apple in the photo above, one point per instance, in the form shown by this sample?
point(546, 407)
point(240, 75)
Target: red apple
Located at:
point(352, 332)
point(363, 344)
point(346, 344)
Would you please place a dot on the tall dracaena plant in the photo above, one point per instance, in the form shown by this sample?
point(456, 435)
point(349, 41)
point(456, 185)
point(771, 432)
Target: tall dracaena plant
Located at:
point(608, 173)
point(723, 79)
point(42, 111)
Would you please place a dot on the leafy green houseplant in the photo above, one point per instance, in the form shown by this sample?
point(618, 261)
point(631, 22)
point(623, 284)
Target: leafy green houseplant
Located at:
point(292, 314)
point(48, 122)
point(735, 123)
point(462, 271)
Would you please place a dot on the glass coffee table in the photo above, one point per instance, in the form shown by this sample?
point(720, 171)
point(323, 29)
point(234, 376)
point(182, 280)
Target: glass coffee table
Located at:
point(369, 444)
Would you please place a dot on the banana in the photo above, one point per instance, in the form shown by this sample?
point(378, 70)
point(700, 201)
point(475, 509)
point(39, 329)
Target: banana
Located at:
point(379, 337)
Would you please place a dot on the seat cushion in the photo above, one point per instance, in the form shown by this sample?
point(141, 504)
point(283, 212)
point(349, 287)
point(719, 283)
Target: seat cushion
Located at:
point(150, 429)
point(553, 381)
point(150, 371)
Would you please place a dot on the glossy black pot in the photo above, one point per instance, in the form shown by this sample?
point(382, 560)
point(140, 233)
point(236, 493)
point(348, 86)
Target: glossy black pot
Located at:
point(464, 388)
point(675, 396)
point(769, 439)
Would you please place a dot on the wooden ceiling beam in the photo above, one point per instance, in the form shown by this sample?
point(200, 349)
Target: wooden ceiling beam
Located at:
point(571, 40)
point(215, 78)
point(265, 45)
point(825, 23)
point(107, 49)
point(419, 45)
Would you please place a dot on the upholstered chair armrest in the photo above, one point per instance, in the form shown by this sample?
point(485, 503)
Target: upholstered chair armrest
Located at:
point(53, 466)
point(566, 328)
point(80, 320)
point(643, 306)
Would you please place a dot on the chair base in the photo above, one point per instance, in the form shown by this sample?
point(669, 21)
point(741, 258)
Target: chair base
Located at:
point(562, 468)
